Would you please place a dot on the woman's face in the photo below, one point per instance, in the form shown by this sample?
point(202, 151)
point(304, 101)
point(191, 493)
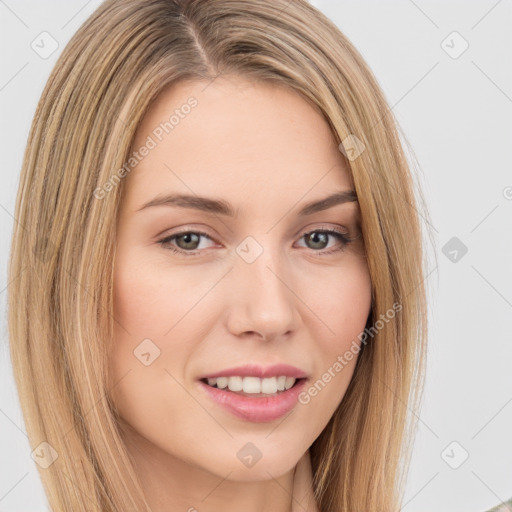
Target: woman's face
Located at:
point(235, 274)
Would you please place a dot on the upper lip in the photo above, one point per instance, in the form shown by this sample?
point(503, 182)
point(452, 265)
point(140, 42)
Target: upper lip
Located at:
point(254, 370)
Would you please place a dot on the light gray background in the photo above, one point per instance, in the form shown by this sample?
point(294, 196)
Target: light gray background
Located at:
point(457, 115)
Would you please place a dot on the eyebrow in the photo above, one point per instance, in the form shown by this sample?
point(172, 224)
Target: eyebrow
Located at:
point(221, 207)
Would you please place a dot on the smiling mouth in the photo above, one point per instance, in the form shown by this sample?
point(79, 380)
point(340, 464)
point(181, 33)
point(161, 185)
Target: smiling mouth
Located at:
point(253, 386)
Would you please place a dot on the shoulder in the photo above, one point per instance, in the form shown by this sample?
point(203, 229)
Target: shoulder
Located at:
point(506, 506)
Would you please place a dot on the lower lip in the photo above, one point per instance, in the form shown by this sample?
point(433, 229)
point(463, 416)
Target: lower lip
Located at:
point(256, 409)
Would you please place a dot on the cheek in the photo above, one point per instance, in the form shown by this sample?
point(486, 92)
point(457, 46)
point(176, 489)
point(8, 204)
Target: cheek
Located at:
point(146, 307)
point(343, 303)
point(139, 297)
point(149, 298)
point(342, 307)
point(353, 305)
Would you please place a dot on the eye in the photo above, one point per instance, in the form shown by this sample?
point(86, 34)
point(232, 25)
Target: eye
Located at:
point(319, 238)
point(186, 242)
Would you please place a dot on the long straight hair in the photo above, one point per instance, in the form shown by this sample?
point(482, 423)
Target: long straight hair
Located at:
point(63, 245)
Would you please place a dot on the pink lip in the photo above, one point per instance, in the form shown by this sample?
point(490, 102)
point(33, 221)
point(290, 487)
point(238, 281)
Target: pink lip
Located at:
point(256, 409)
point(254, 370)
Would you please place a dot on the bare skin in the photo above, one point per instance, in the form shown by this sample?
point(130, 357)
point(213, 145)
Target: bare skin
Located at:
point(267, 152)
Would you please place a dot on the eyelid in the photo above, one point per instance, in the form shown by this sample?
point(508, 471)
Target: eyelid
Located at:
point(183, 230)
point(323, 227)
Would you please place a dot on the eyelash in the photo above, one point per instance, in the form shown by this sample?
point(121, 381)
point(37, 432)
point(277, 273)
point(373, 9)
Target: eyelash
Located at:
point(344, 238)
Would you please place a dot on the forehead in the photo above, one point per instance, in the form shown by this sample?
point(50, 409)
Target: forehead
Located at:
point(234, 137)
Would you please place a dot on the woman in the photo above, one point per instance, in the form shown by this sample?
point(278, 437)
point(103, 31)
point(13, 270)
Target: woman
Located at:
point(254, 368)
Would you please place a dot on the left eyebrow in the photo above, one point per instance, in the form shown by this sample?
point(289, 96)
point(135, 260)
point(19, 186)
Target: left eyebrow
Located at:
point(221, 207)
point(344, 196)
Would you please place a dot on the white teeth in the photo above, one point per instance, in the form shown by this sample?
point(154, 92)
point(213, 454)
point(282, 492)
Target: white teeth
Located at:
point(235, 383)
point(222, 382)
point(289, 382)
point(268, 385)
point(252, 385)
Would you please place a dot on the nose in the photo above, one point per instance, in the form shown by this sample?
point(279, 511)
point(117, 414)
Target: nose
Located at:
point(262, 301)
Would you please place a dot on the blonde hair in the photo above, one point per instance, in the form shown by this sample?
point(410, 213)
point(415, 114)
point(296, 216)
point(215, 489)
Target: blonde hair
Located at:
point(61, 267)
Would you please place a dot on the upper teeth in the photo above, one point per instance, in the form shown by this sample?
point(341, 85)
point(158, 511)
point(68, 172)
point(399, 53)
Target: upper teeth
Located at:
point(253, 384)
